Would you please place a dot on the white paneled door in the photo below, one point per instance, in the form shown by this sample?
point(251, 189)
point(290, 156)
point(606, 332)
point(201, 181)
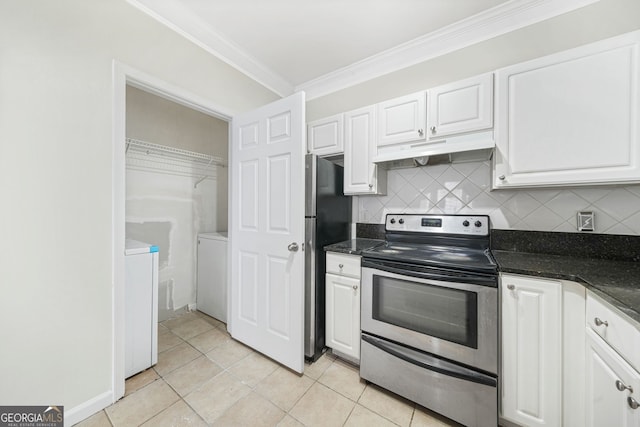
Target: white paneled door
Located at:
point(267, 230)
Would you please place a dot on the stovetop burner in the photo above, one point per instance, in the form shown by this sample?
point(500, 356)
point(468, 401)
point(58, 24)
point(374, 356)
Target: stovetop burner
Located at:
point(447, 241)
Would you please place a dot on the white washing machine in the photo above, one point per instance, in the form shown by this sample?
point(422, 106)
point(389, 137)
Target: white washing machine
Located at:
point(211, 297)
point(141, 306)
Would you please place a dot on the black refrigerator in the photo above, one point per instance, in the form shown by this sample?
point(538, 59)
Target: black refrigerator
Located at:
point(327, 221)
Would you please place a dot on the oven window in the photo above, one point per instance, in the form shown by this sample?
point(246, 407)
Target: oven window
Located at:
point(445, 313)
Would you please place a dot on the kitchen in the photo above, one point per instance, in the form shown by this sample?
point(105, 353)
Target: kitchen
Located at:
point(65, 191)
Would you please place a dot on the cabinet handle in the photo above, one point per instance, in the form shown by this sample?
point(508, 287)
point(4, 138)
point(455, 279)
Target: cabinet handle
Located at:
point(433, 129)
point(420, 132)
point(355, 287)
point(501, 177)
point(511, 287)
point(370, 185)
point(340, 266)
point(599, 322)
point(622, 386)
point(633, 404)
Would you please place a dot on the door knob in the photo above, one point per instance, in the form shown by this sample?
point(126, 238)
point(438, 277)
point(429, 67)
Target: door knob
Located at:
point(420, 132)
point(633, 404)
point(433, 129)
point(511, 287)
point(622, 386)
point(293, 247)
point(501, 177)
point(355, 287)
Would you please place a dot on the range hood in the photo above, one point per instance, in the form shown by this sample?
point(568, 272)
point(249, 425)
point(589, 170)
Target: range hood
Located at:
point(460, 149)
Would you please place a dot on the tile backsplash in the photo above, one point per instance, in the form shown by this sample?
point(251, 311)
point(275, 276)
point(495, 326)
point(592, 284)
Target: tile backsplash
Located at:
point(466, 188)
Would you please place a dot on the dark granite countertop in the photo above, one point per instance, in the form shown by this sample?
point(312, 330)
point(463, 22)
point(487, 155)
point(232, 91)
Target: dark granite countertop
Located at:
point(617, 282)
point(353, 246)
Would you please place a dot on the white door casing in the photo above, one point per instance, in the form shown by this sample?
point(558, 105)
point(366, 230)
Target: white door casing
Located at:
point(266, 223)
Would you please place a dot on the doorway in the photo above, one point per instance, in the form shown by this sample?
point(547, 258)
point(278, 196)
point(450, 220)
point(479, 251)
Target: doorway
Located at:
point(176, 188)
point(129, 79)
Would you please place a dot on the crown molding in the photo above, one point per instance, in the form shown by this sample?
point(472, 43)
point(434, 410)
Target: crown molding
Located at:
point(493, 22)
point(175, 16)
point(504, 18)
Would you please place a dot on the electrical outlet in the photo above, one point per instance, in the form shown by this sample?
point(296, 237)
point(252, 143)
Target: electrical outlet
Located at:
point(586, 221)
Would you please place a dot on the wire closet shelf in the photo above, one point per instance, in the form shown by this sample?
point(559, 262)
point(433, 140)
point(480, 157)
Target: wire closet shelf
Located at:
point(150, 157)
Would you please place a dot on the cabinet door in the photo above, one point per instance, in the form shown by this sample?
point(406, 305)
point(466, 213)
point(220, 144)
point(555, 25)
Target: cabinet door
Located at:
point(325, 136)
point(361, 175)
point(402, 119)
point(343, 315)
point(460, 107)
point(531, 351)
point(570, 118)
point(607, 405)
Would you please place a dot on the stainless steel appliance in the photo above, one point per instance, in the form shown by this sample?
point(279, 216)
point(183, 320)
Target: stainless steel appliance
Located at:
point(430, 315)
point(327, 221)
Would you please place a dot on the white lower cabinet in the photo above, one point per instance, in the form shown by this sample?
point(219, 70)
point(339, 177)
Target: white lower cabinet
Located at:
point(343, 305)
point(531, 351)
point(611, 383)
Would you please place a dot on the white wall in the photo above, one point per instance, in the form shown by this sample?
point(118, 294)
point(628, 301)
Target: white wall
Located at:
point(158, 120)
point(597, 21)
point(465, 188)
point(56, 181)
point(166, 209)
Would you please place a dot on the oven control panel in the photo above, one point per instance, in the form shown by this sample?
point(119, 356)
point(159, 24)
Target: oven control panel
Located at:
point(445, 224)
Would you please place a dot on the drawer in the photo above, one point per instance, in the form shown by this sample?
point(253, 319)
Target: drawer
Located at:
point(343, 265)
point(618, 331)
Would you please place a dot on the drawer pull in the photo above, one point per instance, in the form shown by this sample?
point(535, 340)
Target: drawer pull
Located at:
point(622, 386)
point(355, 287)
point(599, 322)
point(511, 287)
point(633, 404)
point(340, 266)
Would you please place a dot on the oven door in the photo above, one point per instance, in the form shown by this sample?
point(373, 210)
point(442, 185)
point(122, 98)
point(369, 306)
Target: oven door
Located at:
point(454, 320)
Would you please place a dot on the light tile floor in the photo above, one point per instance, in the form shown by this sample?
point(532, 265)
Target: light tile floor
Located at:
point(205, 378)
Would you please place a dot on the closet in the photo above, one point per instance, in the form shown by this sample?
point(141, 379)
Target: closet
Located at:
point(176, 188)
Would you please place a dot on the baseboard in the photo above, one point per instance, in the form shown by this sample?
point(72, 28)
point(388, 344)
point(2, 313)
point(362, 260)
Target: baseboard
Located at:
point(88, 408)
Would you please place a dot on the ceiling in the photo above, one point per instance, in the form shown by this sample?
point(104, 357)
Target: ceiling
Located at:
point(325, 45)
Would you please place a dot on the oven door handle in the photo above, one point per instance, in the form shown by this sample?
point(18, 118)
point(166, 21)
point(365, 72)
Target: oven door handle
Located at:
point(423, 272)
point(432, 363)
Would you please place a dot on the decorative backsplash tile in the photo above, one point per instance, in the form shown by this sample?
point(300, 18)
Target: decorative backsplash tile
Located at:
point(466, 188)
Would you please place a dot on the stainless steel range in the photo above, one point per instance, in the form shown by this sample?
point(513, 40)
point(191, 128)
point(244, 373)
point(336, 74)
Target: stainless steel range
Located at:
point(430, 315)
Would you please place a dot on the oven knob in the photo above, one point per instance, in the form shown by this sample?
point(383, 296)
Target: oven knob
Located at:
point(401, 221)
point(477, 224)
point(465, 223)
point(393, 221)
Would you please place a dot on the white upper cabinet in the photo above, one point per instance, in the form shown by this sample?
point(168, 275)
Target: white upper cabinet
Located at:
point(325, 136)
point(461, 107)
point(361, 175)
point(402, 119)
point(570, 118)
